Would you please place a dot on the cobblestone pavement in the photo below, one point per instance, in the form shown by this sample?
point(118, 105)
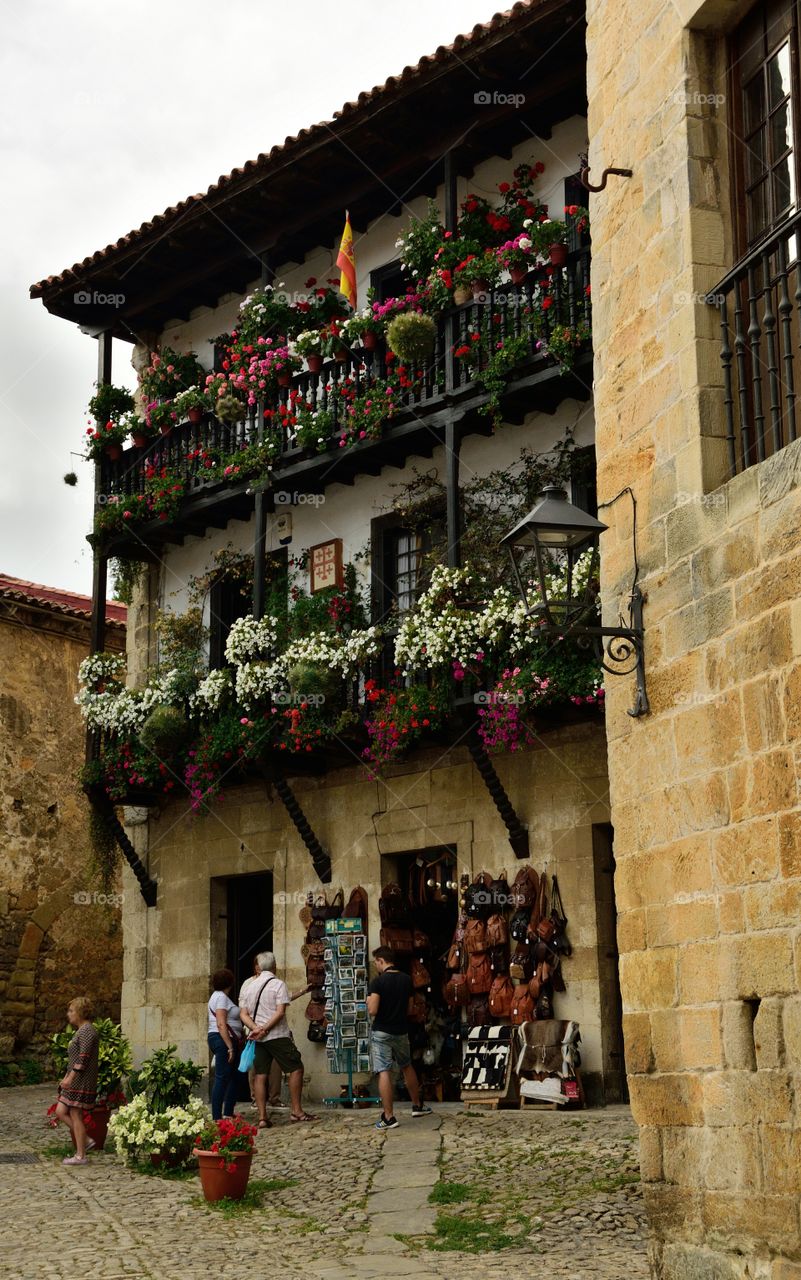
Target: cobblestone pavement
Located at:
point(458, 1195)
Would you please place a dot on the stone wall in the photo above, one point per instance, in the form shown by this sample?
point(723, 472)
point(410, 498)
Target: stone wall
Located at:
point(59, 934)
point(559, 790)
point(705, 799)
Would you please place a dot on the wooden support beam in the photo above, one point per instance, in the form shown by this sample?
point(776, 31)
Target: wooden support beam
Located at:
point(97, 633)
point(453, 517)
point(321, 861)
point(518, 835)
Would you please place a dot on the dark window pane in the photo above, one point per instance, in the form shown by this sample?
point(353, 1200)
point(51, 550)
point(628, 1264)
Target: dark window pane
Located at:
point(756, 208)
point(783, 185)
point(754, 103)
point(781, 132)
point(779, 76)
point(755, 158)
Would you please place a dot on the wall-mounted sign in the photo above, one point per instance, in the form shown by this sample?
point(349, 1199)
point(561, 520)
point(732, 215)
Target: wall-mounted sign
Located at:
point(325, 565)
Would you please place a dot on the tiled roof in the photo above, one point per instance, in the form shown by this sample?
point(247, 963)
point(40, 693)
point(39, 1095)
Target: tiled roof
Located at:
point(282, 154)
point(67, 602)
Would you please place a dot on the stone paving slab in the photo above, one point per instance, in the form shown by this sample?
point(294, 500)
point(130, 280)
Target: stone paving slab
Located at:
point(564, 1186)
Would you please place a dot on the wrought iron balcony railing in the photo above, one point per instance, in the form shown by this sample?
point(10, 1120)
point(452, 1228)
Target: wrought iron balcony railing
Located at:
point(509, 311)
point(759, 302)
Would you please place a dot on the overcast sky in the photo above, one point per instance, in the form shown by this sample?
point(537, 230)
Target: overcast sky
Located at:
point(111, 112)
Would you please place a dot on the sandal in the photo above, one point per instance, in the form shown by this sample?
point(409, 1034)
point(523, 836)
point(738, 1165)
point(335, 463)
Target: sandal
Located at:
point(303, 1118)
point(265, 1124)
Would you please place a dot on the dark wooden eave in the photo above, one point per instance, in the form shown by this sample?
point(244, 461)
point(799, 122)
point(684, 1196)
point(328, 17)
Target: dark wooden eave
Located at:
point(373, 159)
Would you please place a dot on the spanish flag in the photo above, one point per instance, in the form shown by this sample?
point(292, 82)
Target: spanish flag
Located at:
point(346, 262)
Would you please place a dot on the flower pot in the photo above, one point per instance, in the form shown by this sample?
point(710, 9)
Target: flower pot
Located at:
point(480, 287)
point(165, 428)
point(369, 340)
point(195, 416)
point(558, 254)
point(139, 439)
point(217, 1182)
point(113, 451)
point(461, 296)
point(341, 354)
point(284, 378)
point(518, 274)
point(96, 1125)
point(315, 363)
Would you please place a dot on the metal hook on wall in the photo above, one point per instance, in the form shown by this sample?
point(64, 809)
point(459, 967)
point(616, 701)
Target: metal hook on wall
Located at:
point(585, 181)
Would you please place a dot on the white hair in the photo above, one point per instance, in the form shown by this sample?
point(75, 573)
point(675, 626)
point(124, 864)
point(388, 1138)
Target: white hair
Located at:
point(266, 961)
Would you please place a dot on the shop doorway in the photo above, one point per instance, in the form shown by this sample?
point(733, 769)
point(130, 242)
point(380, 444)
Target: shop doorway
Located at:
point(249, 921)
point(615, 1087)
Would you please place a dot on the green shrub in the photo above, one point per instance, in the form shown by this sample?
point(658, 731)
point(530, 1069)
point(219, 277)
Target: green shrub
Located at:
point(412, 336)
point(165, 731)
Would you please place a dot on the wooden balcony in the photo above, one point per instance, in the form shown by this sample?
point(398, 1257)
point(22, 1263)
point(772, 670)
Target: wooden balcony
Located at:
point(448, 392)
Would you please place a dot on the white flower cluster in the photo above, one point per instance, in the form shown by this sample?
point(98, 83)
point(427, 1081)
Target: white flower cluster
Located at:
point(256, 681)
point(101, 667)
point(138, 1131)
point(212, 691)
point(249, 638)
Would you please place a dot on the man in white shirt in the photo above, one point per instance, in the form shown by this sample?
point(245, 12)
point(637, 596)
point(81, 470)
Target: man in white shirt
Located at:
point(264, 1001)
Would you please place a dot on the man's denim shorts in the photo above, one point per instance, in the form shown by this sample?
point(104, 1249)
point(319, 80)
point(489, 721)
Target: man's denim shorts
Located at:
point(389, 1051)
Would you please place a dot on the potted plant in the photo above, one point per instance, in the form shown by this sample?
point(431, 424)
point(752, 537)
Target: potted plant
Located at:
point(477, 272)
point(106, 438)
point(412, 337)
point(334, 342)
point(138, 430)
point(169, 373)
point(164, 1137)
point(108, 406)
point(224, 1151)
point(364, 328)
point(516, 257)
point(191, 404)
point(114, 1063)
point(313, 429)
point(163, 417)
point(165, 731)
point(309, 345)
point(283, 365)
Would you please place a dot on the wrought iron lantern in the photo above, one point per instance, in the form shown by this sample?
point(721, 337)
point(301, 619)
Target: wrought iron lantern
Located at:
point(555, 558)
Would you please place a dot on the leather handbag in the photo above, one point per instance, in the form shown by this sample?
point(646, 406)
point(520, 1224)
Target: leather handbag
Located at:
point(315, 971)
point(501, 894)
point(520, 923)
point(522, 1007)
point(316, 1032)
point(357, 905)
point(479, 974)
point(421, 978)
point(525, 888)
point(499, 959)
point(478, 1013)
point(544, 1008)
point(418, 1009)
point(475, 937)
point(478, 897)
point(454, 958)
point(397, 939)
point(392, 906)
point(546, 929)
point(315, 1010)
point(559, 942)
point(522, 964)
point(497, 931)
point(421, 940)
point(501, 997)
point(457, 991)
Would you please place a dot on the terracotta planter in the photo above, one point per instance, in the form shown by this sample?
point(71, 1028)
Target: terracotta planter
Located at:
point(518, 274)
point(315, 363)
point(217, 1182)
point(341, 354)
point(284, 378)
point(195, 416)
point(369, 340)
point(558, 254)
point(96, 1125)
point(461, 296)
point(165, 428)
point(113, 451)
point(139, 439)
point(480, 287)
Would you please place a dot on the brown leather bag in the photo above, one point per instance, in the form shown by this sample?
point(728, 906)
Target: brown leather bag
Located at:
point(315, 1011)
point(422, 942)
point(525, 888)
point(397, 939)
point(522, 1007)
point(357, 905)
point(479, 973)
point(392, 906)
point(475, 937)
point(315, 971)
point(501, 998)
point(522, 964)
point(457, 991)
point(455, 953)
point(497, 931)
point(478, 1012)
point(546, 929)
point(421, 978)
point(418, 1009)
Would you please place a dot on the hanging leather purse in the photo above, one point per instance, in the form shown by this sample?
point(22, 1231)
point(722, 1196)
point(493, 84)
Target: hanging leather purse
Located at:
point(525, 888)
point(520, 923)
point(522, 1007)
point(475, 937)
point(455, 953)
point(559, 942)
point(421, 978)
point(501, 893)
point(497, 931)
point(397, 939)
point(392, 906)
point(316, 1032)
point(357, 905)
point(457, 991)
point(522, 964)
point(546, 929)
point(418, 1009)
point(315, 1011)
point(499, 959)
point(478, 1013)
point(478, 897)
point(421, 940)
point(501, 998)
point(479, 974)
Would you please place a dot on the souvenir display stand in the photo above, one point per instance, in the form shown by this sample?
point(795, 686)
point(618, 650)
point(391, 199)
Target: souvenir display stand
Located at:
point(488, 1079)
point(347, 1032)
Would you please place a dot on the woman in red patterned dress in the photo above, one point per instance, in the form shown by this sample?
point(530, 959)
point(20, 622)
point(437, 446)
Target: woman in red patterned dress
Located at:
point(77, 1092)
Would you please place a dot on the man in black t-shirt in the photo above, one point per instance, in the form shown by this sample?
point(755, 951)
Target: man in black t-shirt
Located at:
point(388, 999)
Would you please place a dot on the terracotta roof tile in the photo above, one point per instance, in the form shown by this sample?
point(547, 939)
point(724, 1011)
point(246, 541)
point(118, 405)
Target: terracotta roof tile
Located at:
point(55, 598)
point(365, 99)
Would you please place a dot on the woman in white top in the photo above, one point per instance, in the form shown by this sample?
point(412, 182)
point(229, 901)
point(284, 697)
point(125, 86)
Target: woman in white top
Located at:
point(226, 1038)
